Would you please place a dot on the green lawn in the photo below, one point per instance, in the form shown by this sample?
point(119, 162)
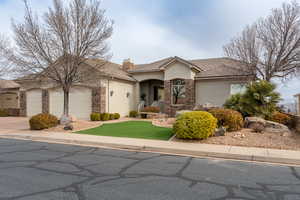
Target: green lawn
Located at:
point(131, 129)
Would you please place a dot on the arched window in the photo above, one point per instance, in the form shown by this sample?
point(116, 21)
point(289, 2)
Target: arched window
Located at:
point(178, 91)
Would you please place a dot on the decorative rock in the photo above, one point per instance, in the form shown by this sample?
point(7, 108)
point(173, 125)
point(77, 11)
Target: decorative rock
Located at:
point(275, 127)
point(257, 127)
point(220, 131)
point(65, 120)
point(69, 127)
point(250, 121)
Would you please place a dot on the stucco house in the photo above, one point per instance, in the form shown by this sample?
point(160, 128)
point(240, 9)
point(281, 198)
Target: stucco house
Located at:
point(172, 84)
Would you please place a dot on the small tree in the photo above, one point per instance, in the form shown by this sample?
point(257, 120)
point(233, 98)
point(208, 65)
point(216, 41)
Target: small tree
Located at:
point(56, 47)
point(270, 47)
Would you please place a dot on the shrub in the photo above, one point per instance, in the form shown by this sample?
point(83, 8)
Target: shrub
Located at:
point(105, 116)
point(195, 125)
point(235, 103)
point(151, 109)
point(230, 119)
point(281, 118)
point(95, 117)
point(117, 116)
point(133, 114)
point(43, 121)
point(111, 116)
point(3, 113)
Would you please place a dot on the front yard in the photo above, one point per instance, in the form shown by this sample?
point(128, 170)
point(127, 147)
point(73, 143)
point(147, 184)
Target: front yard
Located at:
point(131, 129)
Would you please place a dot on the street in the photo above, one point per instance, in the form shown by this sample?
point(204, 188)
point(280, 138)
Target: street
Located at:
point(37, 171)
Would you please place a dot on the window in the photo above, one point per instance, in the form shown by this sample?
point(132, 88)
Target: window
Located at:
point(178, 91)
point(237, 88)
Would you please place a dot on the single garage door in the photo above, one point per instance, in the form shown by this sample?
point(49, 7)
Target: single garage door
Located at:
point(34, 102)
point(80, 102)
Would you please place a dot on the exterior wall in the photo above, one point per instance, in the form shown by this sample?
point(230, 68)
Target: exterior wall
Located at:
point(98, 99)
point(298, 112)
point(215, 92)
point(148, 76)
point(119, 102)
point(9, 100)
point(178, 70)
point(147, 87)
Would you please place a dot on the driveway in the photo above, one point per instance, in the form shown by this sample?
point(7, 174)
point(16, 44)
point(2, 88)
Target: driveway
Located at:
point(8, 124)
point(34, 171)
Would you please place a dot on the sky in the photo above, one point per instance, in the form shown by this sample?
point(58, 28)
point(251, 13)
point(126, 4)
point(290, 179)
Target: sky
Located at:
point(148, 30)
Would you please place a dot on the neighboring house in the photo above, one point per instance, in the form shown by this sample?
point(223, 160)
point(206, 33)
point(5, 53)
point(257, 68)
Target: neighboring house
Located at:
point(298, 103)
point(9, 94)
point(173, 82)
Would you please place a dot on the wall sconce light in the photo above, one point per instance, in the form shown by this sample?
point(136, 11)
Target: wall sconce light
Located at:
point(127, 94)
point(111, 93)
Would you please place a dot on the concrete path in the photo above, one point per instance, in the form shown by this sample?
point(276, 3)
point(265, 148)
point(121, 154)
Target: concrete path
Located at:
point(168, 147)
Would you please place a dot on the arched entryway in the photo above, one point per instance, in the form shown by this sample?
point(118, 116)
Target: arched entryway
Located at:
point(152, 92)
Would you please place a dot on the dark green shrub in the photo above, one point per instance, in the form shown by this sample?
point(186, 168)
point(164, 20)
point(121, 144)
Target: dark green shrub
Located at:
point(235, 103)
point(230, 119)
point(42, 121)
point(281, 118)
point(3, 113)
point(195, 125)
point(105, 116)
point(95, 117)
point(117, 116)
point(111, 116)
point(133, 114)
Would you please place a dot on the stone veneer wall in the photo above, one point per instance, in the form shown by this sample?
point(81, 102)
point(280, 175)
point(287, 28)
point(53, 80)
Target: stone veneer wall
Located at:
point(45, 101)
point(171, 109)
point(23, 103)
point(99, 99)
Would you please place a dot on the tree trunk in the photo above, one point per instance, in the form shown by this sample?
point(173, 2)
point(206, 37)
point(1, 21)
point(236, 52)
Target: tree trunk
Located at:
point(66, 102)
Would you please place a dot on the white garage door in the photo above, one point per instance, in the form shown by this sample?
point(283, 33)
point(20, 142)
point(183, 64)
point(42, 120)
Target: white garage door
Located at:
point(80, 102)
point(34, 102)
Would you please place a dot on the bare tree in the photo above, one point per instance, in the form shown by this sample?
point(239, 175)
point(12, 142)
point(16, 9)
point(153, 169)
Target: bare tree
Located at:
point(270, 48)
point(5, 65)
point(56, 46)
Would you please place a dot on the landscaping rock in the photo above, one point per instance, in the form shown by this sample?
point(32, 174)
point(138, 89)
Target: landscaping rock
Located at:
point(178, 113)
point(65, 120)
point(275, 127)
point(68, 127)
point(220, 131)
point(251, 121)
point(257, 127)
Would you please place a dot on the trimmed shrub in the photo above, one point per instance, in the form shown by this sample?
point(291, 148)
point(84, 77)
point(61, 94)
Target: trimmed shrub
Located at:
point(195, 125)
point(117, 116)
point(111, 116)
point(43, 121)
point(133, 114)
point(230, 119)
point(95, 117)
point(281, 118)
point(3, 113)
point(151, 109)
point(105, 116)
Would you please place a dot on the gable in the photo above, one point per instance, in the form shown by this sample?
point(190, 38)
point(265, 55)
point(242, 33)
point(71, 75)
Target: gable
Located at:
point(178, 70)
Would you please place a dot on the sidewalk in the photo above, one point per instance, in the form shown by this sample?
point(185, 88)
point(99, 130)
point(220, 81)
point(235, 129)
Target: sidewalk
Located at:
point(168, 147)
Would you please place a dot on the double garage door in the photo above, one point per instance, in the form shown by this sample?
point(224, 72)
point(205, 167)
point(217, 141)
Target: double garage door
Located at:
point(80, 102)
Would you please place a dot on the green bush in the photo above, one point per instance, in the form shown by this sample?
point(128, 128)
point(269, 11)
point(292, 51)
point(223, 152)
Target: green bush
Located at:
point(235, 103)
point(42, 121)
point(3, 113)
point(230, 119)
point(105, 116)
point(195, 125)
point(117, 116)
point(281, 118)
point(133, 114)
point(95, 117)
point(111, 116)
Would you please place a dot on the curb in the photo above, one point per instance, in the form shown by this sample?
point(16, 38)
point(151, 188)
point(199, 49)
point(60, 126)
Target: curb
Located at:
point(164, 150)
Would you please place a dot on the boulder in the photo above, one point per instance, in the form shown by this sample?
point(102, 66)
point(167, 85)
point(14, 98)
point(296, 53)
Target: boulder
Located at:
point(250, 122)
point(275, 127)
point(220, 131)
point(68, 127)
point(259, 125)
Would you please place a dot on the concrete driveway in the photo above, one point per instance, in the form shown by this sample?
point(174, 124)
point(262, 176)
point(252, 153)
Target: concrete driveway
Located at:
point(8, 124)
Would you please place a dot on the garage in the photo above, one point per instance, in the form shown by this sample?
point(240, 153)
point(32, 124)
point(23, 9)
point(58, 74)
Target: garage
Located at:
point(34, 102)
point(9, 100)
point(80, 102)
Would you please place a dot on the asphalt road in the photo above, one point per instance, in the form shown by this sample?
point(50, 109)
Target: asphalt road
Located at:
point(38, 171)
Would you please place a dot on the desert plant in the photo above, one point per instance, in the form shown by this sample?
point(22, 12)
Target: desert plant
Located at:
point(151, 109)
point(133, 114)
point(3, 113)
point(117, 116)
point(195, 125)
point(95, 117)
point(281, 118)
point(235, 103)
point(105, 116)
point(230, 119)
point(43, 121)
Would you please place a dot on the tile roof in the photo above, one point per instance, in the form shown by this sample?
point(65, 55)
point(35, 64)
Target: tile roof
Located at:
point(8, 84)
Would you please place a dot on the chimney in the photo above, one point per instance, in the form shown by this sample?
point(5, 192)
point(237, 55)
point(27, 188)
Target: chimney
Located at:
point(127, 65)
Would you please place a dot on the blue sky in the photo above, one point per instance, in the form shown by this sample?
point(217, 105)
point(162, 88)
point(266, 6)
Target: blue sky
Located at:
point(146, 30)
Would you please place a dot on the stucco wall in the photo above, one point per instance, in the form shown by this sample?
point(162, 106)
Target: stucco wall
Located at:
point(9, 100)
point(178, 70)
point(119, 102)
point(148, 76)
point(215, 92)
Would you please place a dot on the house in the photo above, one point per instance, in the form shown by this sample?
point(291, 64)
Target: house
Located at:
point(9, 92)
point(172, 83)
point(298, 103)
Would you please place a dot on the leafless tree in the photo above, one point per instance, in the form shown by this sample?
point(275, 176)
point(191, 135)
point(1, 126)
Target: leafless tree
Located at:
point(5, 65)
point(270, 48)
point(56, 47)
